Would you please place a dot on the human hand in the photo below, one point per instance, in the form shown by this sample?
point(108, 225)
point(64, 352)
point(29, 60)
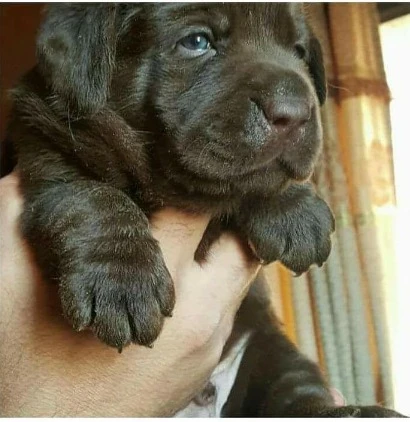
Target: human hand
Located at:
point(46, 369)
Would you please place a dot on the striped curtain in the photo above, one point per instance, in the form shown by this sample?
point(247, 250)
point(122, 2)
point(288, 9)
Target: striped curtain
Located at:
point(336, 314)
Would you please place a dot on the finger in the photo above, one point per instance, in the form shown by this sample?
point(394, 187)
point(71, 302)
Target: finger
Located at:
point(230, 267)
point(10, 209)
point(16, 260)
point(226, 326)
point(10, 198)
point(178, 233)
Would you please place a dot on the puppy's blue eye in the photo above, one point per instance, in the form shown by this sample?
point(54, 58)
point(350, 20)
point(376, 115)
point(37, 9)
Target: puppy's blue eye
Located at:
point(196, 42)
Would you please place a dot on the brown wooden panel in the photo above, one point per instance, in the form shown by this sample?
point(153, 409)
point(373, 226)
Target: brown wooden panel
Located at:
point(18, 28)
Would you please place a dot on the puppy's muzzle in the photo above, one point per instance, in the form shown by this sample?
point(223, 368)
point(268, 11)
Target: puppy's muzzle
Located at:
point(281, 106)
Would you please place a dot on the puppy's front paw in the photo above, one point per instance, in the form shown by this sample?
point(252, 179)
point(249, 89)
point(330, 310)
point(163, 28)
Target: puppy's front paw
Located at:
point(294, 229)
point(120, 288)
point(357, 412)
point(306, 235)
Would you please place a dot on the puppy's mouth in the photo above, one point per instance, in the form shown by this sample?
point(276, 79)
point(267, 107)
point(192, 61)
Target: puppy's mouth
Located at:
point(295, 172)
point(252, 163)
point(221, 158)
point(276, 159)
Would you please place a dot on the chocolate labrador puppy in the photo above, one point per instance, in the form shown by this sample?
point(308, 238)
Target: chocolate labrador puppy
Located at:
point(206, 107)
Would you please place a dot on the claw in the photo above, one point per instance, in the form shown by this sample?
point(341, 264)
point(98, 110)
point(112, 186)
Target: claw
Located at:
point(80, 328)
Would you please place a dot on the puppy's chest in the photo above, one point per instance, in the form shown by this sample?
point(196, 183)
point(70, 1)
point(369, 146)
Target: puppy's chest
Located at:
point(157, 196)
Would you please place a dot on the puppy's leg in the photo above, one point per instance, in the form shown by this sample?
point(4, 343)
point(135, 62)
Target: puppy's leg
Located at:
point(293, 227)
point(273, 375)
point(95, 241)
point(274, 378)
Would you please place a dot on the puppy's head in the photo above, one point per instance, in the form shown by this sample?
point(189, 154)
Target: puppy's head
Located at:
point(231, 91)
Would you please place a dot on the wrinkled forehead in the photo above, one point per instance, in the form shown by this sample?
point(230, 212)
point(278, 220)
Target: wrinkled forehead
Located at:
point(282, 22)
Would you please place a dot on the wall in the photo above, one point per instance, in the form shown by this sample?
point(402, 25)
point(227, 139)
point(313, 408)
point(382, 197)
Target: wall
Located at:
point(18, 28)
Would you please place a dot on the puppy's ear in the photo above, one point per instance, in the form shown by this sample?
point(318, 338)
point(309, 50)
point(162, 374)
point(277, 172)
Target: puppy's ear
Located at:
point(317, 69)
point(76, 49)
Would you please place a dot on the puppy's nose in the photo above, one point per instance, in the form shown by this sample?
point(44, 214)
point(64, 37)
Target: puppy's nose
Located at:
point(285, 114)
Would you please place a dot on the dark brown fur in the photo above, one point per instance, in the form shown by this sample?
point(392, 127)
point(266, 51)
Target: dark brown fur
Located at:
point(120, 118)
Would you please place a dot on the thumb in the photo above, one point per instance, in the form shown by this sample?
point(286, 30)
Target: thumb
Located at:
point(230, 260)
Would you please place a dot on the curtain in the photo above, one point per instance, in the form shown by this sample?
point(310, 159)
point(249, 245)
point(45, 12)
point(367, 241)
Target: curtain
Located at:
point(336, 314)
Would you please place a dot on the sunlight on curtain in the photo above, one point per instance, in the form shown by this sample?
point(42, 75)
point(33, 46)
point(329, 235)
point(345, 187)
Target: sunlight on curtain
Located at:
point(366, 150)
point(395, 39)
